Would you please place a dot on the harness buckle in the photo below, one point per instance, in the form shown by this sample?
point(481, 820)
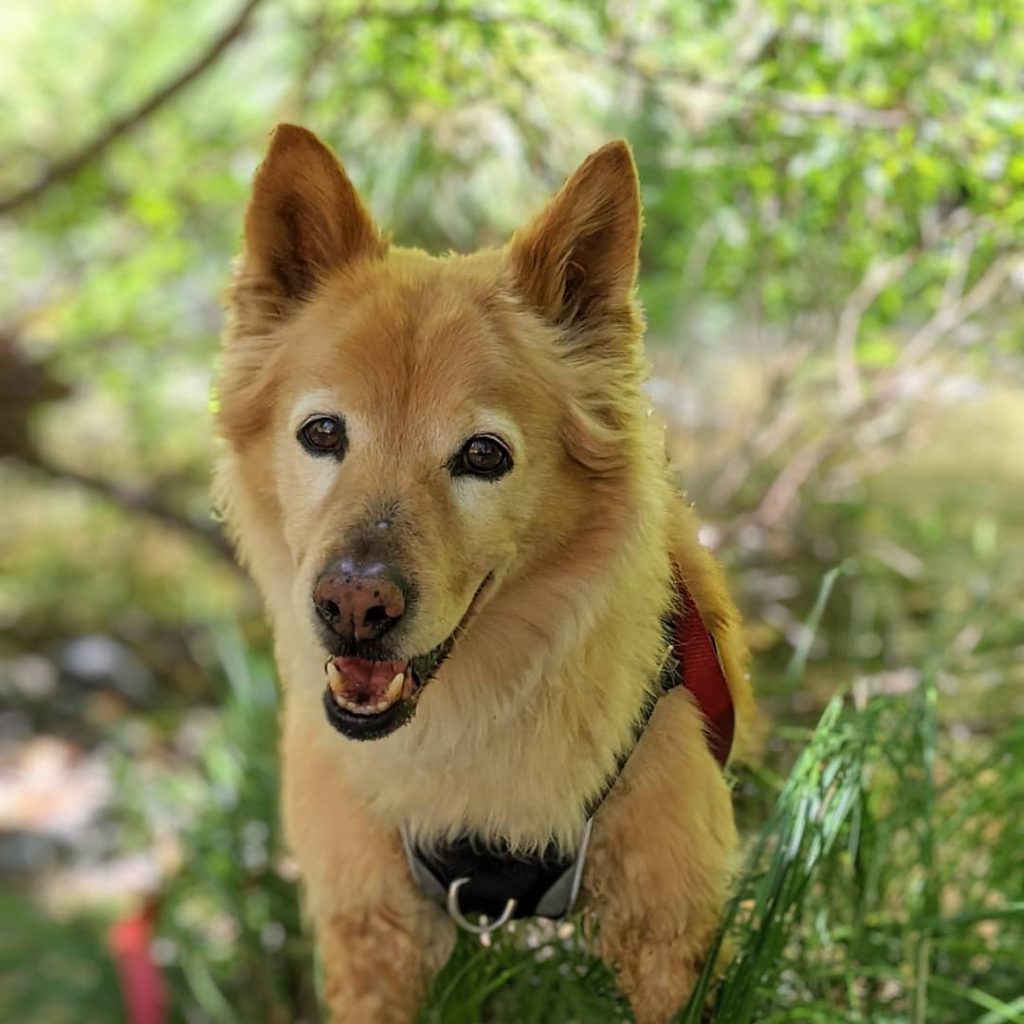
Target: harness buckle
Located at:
point(487, 926)
point(557, 901)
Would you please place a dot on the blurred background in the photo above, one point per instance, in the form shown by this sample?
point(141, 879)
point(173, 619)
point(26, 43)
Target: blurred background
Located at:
point(833, 268)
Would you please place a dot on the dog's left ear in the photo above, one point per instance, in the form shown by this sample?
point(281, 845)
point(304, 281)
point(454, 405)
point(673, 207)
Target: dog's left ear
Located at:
point(576, 261)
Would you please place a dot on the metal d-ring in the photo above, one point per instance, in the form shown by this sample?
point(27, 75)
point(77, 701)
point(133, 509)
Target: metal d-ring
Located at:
point(455, 912)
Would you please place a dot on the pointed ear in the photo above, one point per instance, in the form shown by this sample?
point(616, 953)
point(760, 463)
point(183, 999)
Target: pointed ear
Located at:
point(576, 261)
point(304, 219)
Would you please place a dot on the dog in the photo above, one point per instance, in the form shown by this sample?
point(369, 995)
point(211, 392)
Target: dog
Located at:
point(443, 475)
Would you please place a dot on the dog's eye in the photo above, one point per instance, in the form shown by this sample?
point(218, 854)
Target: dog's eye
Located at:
point(482, 456)
point(323, 435)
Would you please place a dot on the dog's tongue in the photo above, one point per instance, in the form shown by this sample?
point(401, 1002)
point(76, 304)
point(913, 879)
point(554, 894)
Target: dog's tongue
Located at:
point(365, 682)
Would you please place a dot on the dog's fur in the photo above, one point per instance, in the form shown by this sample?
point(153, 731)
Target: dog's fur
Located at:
point(540, 343)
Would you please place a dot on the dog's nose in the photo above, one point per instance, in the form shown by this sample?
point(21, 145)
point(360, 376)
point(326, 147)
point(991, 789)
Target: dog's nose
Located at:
point(360, 601)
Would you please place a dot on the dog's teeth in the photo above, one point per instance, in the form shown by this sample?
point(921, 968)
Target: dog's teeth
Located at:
point(335, 680)
point(336, 683)
point(361, 709)
point(356, 709)
point(394, 690)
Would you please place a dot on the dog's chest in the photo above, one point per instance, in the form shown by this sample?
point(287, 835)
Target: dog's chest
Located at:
point(517, 773)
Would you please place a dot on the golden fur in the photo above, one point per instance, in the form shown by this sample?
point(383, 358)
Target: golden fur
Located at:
point(542, 342)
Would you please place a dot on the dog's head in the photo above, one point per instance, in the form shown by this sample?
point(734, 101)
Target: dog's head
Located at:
point(414, 436)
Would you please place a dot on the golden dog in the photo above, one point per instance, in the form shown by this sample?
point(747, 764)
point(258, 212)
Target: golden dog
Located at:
point(444, 477)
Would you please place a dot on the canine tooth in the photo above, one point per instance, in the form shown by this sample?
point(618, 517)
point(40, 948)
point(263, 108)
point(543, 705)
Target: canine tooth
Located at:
point(394, 688)
point(335, 680)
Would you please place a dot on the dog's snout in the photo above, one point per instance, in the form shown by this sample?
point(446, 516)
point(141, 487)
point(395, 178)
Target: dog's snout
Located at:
point(360, 601)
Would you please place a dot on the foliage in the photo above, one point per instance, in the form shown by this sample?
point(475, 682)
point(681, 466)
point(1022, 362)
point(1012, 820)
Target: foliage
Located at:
point(230, 917)
point(856, 899)
point(832, 268)
point(51, 970)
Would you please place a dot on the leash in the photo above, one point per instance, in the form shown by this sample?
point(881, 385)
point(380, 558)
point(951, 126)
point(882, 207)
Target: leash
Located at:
point(494, 885)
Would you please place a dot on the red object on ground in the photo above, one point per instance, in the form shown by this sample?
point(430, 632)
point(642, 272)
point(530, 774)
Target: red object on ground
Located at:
point(142, 986)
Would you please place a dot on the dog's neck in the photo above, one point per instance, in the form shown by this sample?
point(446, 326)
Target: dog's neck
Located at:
point(524, 723)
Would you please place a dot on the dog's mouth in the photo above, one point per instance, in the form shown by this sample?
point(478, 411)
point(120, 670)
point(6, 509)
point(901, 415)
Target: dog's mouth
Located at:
point(367, 699)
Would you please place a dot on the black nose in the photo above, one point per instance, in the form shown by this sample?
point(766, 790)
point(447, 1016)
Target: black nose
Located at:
point(360, 601)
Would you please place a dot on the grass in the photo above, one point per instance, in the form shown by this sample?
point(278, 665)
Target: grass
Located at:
point(884, 885)
point(879, 890)
point(53, 972)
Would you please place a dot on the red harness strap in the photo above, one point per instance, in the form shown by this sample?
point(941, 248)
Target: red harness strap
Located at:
point(466, 877)
point(703, 675)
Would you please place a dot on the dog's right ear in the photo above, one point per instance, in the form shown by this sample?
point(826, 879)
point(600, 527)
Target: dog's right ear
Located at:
point(304, 220)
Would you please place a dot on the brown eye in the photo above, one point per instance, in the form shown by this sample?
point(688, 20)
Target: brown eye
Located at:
point(482, 456)
point(323, 435)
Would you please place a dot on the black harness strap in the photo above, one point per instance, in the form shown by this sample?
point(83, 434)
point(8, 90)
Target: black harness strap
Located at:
point(495, 875)
point(539, 883)
point(670, 677)
point(469, 877)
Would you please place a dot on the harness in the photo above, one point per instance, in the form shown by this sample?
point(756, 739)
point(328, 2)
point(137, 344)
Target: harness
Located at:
point(492, 885)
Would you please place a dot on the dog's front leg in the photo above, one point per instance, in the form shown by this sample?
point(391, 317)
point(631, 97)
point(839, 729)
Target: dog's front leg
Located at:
point(379, 941)
point(661, 862)
point(377, 961)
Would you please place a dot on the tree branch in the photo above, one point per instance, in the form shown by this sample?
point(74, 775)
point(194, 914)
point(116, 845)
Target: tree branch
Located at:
point(849, 111)
point(784, 489)
point(960, 309)
point(132, 500)
point(853, 113)
point(880, 274)
point(70, 165)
